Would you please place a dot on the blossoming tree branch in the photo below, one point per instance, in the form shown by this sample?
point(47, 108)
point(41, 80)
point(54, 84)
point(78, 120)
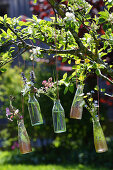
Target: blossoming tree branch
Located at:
point(87, 51)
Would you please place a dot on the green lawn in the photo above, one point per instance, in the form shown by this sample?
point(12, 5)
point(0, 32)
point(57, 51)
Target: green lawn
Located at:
point(49, 167)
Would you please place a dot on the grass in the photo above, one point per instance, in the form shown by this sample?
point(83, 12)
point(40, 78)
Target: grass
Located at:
point(49, 167)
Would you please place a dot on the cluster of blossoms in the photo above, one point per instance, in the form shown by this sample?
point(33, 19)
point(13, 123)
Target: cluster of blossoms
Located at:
point(91, 104)
point(48, 83)
point(15, 145)
point(28, 85)
point(70, 16)
point(49, 89)
point(110, 18)
point(34, 52)
point(11, 113)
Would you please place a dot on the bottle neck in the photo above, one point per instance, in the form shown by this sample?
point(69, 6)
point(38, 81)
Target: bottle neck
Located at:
point(20, 122)
point(31, 95)
point(56, 101)
point(95, 119)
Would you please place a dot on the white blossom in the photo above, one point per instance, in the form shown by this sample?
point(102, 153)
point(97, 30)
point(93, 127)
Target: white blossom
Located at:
point(70, 16)
point(35, 52)
point(110, 18)
point(27, 88)
point(30, 31)
point(38, 20)
point(16, 112)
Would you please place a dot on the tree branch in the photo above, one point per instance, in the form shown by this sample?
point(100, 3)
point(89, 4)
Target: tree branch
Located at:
point(104, 77)
point(14, 57)
point(53, 51)
point(8, 26)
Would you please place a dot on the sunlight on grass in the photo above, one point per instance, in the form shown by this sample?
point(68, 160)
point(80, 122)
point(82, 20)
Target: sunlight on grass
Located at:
point(48, 167)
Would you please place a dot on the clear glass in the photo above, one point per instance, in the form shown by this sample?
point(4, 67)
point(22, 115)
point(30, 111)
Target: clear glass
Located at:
point(99, 138)
point(58, 117)
point(34, 111)
point(23, 138)
point(77, 104)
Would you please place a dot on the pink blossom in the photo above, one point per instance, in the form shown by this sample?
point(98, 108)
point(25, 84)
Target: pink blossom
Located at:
point(8, 112)
point(17, 145)
point(47, 85)
point(13, 147)
point(11, 117)
point(44, 82)
point(21, 117)
point(46, 88)
point(50, 84)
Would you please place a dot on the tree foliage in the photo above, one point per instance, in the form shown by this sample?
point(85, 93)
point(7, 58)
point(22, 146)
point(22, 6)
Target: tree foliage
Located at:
point(87, 51)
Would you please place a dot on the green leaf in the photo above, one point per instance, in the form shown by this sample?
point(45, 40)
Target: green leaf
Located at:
point(35, 1)
point(3, 33)
point(69, 62)
point(66, 89)
point(21, 23)
point(104, 14)
point(34, 17)
point(71, 88)
point(5, 16)
point(96, 88)
point(98, 72)
point(64, 60)
point(1, 18)
point(65, 76)
point(102, 90)
point(3, 69)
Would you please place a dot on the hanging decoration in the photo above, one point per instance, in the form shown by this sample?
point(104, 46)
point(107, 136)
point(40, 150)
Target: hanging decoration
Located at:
point(77, 104)
point(58, 111)
point(23, 138)
point(99, 138)
point(58, 117)
point(33, 104)
point(50, 89)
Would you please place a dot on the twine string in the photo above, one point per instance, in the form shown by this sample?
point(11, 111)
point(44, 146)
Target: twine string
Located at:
point(76, 75)
point(22, 98)
point(56, 58)
point(98, 96)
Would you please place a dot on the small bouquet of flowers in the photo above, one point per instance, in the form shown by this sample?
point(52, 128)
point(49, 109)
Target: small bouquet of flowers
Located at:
point(99, 138)
point(49, 89)
point(23, 138)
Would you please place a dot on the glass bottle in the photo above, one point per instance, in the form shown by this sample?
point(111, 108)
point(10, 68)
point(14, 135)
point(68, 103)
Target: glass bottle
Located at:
point(99, 138)
point(23, 138)
point(77, 104)
point(34, 110)
point(58, 117)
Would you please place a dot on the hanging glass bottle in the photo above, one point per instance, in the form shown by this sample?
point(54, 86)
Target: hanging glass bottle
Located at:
point(34, 110)
point(58, 117)
point(77, 104)
point(23, 138)
point(99, 138)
